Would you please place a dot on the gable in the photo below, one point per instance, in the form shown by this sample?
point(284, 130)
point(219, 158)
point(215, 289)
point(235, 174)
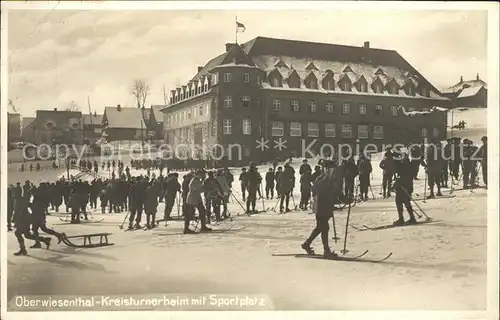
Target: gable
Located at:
point(281, 64)
point(311, 66)
point(379, 72)
point(275, 73)
point(347, 68)
point(237, 56)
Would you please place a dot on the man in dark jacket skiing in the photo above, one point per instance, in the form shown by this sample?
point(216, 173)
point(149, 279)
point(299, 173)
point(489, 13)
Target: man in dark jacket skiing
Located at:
point(387, 165)
point(469, 163)
point(172, 187)
point(286, 182)
point(253, 182)
point(364, 169)
point(243, 182)
point(325, 189)
point(270, 183)
point(151, 203)
point(403, 187)
point(433, 165)
point(305, 189)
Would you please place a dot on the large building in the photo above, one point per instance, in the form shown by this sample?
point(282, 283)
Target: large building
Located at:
point(302, 92)
point(53, 126)
point(468, 94)
point(92, 127)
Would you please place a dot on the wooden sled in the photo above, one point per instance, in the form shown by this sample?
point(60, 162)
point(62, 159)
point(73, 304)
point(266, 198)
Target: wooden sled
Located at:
point(87, 240)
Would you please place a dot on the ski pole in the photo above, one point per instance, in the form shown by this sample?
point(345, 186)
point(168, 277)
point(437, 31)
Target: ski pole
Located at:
point(263, 205)
point(425, 185)
point(334, 228)
point(373, 196)
point(421, 210)
point(126, 216)
point(237, 201)
point(344, 251)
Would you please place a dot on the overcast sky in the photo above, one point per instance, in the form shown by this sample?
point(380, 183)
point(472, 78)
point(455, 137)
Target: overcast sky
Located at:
point(56, 57)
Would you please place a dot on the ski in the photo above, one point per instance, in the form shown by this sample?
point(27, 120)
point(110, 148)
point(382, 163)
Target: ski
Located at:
point(436, 197)
point(342, 258)
point(390, 226)
point(297, 255)
point(65, 222)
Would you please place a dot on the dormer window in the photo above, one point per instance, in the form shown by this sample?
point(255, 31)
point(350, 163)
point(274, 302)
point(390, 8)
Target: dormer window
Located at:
point(345, 84)
point(329, 85)
point(276, 82)
point(311, 83)
point(377, 86)
point(410, 89)
point(294, 81)
point(362, 87)
point(425, 92)
point(393, 89)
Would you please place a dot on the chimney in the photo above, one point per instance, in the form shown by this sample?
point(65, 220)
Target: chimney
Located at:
point(461, 79)
point(477, 76)
point(119, 107)
point(366, 45)
point(200, 68)
point(229, 46)
point(55, 109)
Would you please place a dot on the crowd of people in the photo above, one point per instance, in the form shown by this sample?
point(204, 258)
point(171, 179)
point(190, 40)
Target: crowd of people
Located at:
point(209, 191)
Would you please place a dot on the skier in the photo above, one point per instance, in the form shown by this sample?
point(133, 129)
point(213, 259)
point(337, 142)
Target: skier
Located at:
point(212, 191)
point(364, 169)
point(433, 164)
point(151, 204)
point(279, 171)
point(305, 189)
point(224, 182)
point(38, 217)
point(325, 189)
point(456, 159)
point(194, 201)
point(351, 171)
point(172, 186)
point(270, 183)
point(253, 181)
point(403, 186)
point(286, 182)
point(22, 221)
point(243, 182)
point(469, 164)
point(387, 165)
point(483, 155)
point(447, 156)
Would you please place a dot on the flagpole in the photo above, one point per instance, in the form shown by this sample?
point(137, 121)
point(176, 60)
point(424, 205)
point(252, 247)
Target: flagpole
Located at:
point(236, 33)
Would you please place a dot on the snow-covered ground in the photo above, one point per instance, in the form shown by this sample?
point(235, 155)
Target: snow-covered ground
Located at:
point(439, 266)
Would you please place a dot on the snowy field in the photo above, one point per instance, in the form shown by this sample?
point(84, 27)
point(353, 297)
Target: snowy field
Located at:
point(439, 266)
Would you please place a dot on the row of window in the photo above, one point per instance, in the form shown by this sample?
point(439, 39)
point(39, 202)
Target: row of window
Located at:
point(187, 114)
point(313, 130)
point(228, 77)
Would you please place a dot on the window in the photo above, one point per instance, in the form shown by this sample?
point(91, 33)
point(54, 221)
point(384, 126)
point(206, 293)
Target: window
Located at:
point(277, 129)
point(258, 80)
point(329, 107)
point(330, 131)
point(425, 92)
point(312, 129)
point(378, 110)
point(311, 83)
point(435, 132)
point(410, 90)
point(275, 82)
point(346, 108)
point(214, 128)
point(362, 109)
point(276, 105)
point(215, 79)
point(245, 101)
point(247, 128)
point(201, 110)
point(362, 87)
point(378, 132)
point(329, 85)
point(246, 78)
point(227, 126)
point(205, 88)
point(379, 88)
point(295, 105)
point(295, 129)
point(362, 131)
point(346, 131)
point(227, 77)
point(189, 114)
point(394, 111)
point(312, 106)
point(294, 81)
point(228, 102)
point(246, 152)
point(345, 85)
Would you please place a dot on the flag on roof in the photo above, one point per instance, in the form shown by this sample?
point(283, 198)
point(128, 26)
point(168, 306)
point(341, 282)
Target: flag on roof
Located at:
point(240, 27)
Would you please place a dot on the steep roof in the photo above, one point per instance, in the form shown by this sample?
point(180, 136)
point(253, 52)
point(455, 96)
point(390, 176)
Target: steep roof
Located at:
point(26, 121)
point(92, 119)
point(466, 84)
point(157, 112)
point(469, 92)
point(126, 118)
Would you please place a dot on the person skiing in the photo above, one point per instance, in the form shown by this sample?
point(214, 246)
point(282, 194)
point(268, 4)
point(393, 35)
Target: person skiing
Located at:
point(387, 165)
point(483, 156)
point(151, 204)
point(276, 179)
point(172, 187)
point(351, 171)
point(194, 201)
point(270, 183)
point(364, 169)
point(243, 182)
point(224, 180)
point(403, 186)
point(253, 182)
point(433, 166)
point(212, 192)
point(305, 189)
point(325, 189)
point(286, 182)
point(469, 164)
point(456, 160)
point(446, 158)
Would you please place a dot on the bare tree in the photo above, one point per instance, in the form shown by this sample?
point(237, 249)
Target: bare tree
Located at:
point(72, 106)
point(165, 97)
point(140, 91)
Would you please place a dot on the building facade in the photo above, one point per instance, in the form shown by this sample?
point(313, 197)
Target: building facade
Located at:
point(468, 94)
point(298, 94)
point(54, 126)
point(14, 127)
point(92, 127)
